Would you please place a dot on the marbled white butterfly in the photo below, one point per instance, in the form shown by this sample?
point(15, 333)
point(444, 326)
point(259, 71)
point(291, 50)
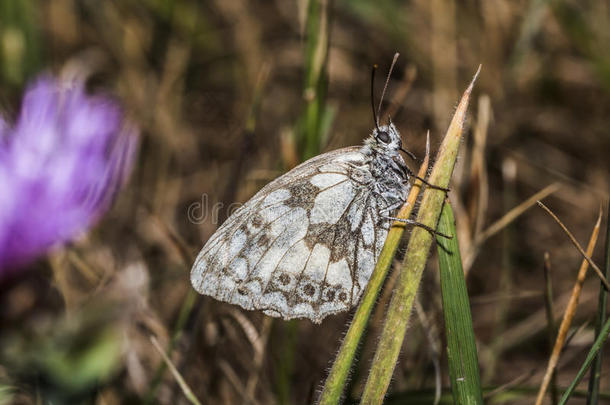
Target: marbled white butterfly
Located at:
point(306, 244)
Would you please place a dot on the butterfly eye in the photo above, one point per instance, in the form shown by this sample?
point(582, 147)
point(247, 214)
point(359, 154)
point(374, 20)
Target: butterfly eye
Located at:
point(383, 137)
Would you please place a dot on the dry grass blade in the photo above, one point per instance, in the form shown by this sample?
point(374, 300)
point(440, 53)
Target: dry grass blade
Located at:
point(174, 240)
point(259, 356)
point(258, 342)
point(89, 271)
point(550, 319)
point(500, 224)
point(247, 327)
point(478, 170)
point(234, 380)
point(569, 313)
point(188, 393)
point(600, 274)
point(536, 322)
point(505, 387)
point(505, 282)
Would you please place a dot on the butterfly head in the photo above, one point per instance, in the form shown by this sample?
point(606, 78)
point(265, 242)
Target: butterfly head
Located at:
point(384, 145)
point(387, 139)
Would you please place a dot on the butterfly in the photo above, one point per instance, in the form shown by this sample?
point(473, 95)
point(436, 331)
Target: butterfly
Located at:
point(306, 244)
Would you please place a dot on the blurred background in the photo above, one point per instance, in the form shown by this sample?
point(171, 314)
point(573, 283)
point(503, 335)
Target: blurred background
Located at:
point(231, 94)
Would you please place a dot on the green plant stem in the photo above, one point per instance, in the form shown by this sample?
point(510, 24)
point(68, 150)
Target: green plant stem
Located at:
point(285, 363)
point(597, 346)
point(596, 368)
point(335, 382)
point(316, 55)
point(401, 304)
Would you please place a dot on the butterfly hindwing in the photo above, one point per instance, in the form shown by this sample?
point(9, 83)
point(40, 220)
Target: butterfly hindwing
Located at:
point(304, 246)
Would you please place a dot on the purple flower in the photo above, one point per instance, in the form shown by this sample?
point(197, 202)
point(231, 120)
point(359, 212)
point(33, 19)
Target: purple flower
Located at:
point(60, 166)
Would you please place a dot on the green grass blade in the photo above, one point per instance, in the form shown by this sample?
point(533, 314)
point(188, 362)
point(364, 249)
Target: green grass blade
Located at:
point(596, 368)
point(316, 81)
point(285, 363)
point(595, 349)
point(461, 346)
point(401, 304)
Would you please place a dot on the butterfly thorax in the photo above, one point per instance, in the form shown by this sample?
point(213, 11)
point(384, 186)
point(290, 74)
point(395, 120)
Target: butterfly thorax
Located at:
point(387, 166)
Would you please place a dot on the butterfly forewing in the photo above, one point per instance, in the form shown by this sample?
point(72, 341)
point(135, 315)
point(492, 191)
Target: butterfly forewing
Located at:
point(304, 246)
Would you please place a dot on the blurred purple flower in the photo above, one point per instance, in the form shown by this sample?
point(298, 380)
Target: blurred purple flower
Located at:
point(60, 166)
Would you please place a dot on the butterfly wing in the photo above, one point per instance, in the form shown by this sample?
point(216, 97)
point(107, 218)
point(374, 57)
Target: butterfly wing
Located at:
point(304, 246)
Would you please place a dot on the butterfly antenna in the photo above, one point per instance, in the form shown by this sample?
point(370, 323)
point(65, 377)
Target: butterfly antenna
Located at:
point(410, 154)
point(373, 97)
point(387, 80)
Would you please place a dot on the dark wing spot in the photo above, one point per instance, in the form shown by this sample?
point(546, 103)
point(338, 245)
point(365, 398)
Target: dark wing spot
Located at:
point(303, 195)
point(264, 240)
point(342, 296)
point(257, 221)
point(309, 290)
point(284, 279)
point(330, 295)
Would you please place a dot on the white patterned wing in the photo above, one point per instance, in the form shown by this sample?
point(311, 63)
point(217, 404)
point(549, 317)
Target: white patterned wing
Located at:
point(303, 247)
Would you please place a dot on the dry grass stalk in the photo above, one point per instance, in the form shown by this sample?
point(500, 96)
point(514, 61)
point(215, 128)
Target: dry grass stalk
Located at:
point(550, 319)
point(188, 393)
point(501, 223)
point(569, 313)
point(536, 322)
point(173, 240)
point(234, 380)
point(505, 387)
point(587, 257)
point(259, 356)
point(478, 169)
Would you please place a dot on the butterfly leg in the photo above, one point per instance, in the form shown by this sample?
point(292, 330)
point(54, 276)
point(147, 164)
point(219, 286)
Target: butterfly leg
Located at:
point(391, 207)
point(434, 232)
point(411, 174)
